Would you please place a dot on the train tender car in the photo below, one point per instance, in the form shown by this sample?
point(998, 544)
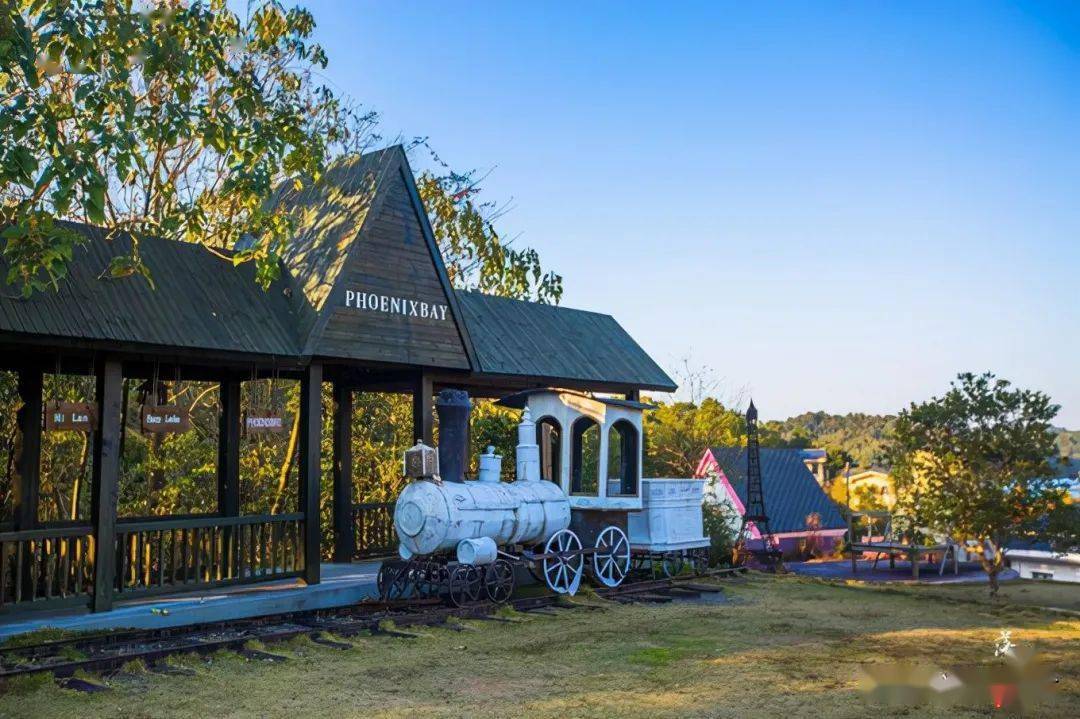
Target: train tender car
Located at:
point(667, 534)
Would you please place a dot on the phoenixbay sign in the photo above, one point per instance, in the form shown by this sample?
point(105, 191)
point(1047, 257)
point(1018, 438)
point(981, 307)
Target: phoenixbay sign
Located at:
point(387, 304)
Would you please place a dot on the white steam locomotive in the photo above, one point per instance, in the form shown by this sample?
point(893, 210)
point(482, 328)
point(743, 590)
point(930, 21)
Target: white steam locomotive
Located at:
point(577, 500)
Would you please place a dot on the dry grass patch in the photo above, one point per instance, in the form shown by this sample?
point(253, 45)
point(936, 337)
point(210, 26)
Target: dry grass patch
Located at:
point(785, 647)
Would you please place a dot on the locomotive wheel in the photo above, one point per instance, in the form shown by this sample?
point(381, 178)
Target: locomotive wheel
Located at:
point(465, 585)
point(562, 572)
point(395, 581)
point(431, 579)
point(499, 581)
point(673, 564)
point(611, 560)
point(382, 579)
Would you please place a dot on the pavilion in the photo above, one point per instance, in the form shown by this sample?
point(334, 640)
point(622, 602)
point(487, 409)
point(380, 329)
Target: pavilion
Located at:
point(363, 302)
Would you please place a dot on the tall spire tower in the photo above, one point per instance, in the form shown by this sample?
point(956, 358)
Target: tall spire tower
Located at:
point(755, 499)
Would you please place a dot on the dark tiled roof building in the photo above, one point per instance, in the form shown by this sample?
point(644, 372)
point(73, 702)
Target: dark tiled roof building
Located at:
point(791, 492)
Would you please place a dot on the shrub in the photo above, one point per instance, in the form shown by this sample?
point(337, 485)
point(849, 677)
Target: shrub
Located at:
point(720, 526)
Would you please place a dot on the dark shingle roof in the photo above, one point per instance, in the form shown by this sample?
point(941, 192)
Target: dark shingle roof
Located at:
point(201, 301)
point(791, 492)
point(512, 337)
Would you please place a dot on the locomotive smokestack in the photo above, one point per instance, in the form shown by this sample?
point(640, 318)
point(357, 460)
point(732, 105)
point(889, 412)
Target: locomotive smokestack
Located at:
point(454, 408)
point(528, 453)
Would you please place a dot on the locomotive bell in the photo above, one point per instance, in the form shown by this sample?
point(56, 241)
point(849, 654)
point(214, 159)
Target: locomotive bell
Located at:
point(454, 409)
point(421, 462)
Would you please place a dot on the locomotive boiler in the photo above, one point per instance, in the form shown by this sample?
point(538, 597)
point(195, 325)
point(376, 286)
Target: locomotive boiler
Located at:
point(464, 516)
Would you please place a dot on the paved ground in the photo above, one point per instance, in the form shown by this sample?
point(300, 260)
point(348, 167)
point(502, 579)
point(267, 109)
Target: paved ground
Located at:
point(341, 584)
point(928, 573)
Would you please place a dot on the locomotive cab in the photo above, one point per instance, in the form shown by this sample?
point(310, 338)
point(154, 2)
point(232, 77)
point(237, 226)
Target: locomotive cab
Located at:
point(590, 446)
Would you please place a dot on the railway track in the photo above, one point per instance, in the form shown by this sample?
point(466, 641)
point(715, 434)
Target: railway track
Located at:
point(105, 653)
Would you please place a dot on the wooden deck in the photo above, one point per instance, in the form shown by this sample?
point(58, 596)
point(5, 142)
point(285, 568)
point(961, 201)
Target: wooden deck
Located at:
point(341, 585)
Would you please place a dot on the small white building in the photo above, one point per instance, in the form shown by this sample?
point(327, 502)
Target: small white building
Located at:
point(1043, 564)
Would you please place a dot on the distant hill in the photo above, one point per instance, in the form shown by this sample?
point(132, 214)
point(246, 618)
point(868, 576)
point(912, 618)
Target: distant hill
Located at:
point(861, 435)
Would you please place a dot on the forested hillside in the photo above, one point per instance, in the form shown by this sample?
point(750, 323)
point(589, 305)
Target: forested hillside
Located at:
point(862, 436)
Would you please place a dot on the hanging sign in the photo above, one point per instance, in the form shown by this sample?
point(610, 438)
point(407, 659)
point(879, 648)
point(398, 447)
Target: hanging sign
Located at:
point(70, 416)
point(265, 422)
point(166, 418)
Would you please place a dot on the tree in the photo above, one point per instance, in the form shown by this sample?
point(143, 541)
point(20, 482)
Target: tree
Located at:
point(974, 463)
point(475, 255)
point(176, 120)
point(677, 434)
point(180, 121)
point(1062, 528)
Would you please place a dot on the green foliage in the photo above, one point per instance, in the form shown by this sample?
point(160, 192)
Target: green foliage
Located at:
point(677, 434)
point(157, 118)
point(497, 427)
point(476, 256)
point(1062, 528)
point(721, 524)
point(977, 458)
point(179, 120)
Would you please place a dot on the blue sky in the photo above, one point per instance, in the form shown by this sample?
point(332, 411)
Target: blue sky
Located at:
point(836, 206)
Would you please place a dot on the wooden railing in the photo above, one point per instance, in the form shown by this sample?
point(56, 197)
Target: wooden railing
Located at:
point(170, 554)
point(46, 565)
point(374, 525)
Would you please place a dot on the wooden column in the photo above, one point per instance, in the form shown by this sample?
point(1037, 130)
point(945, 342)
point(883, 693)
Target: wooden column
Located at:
point(228, 463)
point(344, 532)
point(27, 480)
point(310, 470)
point(228, 466)
point(106, 478)
point(422, 412)
point(27, 450)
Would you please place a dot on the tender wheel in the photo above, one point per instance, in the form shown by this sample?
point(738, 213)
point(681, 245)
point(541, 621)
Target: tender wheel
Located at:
point(699, 561)
point(499, 581)
point(562, 572)
point(611, 561)
point(465, 585)
point(642, 564)
point(672, 564)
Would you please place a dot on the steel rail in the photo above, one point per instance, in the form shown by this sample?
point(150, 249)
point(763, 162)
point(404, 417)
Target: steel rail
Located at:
point(111, 651)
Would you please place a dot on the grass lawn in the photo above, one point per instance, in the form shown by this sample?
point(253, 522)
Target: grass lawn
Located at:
point(783, 647)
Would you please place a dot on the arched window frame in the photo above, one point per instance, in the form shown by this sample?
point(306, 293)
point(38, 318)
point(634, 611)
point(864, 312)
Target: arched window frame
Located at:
point(626, 434)
point(550, 452)
point(578, 429)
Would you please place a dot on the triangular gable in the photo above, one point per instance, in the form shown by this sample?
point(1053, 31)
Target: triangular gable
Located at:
point(370, 269)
